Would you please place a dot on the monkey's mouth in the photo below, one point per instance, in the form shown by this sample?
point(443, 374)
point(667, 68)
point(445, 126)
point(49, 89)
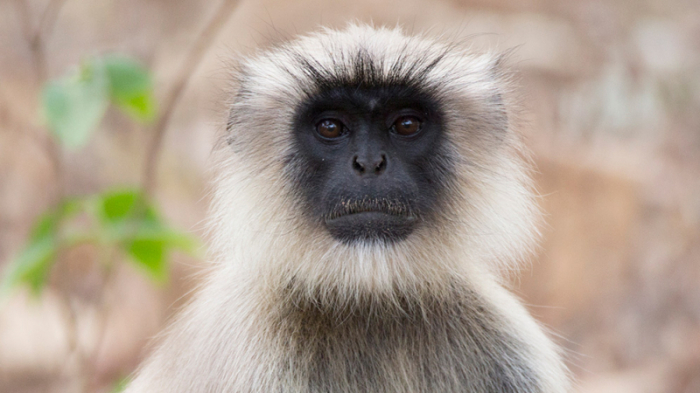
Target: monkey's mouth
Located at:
point(370, 219)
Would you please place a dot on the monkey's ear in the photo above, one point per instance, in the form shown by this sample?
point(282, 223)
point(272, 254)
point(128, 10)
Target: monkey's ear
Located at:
point(501, 73)
point(240, 92)
point(498, 72)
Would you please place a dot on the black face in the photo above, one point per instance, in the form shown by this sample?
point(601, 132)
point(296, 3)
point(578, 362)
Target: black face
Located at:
point(370, 161)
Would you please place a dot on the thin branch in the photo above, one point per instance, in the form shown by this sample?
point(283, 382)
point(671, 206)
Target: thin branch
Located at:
point(192, 60)
point(49, 17)
point(70, 315)
point(36, 37)
point(25, 17)
point(106, 303)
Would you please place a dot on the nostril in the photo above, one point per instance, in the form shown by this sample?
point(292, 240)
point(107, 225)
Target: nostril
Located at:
point(358, 166)
point(381, 165)
point(373, 166)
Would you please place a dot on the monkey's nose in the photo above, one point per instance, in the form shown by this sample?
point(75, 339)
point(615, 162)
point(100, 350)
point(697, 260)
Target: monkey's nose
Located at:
point(369, 165)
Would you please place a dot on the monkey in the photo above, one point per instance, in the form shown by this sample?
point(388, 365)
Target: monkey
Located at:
point(371, 195)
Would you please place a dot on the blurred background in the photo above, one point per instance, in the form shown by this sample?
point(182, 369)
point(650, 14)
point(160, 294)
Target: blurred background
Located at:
point(611, 97)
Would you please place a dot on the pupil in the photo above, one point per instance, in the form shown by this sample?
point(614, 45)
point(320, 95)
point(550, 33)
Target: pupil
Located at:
point(329, 129)
point(407, 125)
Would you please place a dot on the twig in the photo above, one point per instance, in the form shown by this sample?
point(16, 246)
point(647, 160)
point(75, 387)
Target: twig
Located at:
point(49, 17)
point(192, 60)
point(70, 315)
point(106, 303)
point(37, 46)
point(36, 38)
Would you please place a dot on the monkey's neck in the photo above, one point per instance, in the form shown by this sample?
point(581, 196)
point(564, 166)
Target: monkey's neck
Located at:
point(414, 342)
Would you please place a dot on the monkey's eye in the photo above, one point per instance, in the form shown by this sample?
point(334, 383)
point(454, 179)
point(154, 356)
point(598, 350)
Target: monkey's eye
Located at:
point(406, 125)
point(330, 128)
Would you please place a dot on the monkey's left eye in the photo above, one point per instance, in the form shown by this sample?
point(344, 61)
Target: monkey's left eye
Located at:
point(406, 125)
point(330, 128)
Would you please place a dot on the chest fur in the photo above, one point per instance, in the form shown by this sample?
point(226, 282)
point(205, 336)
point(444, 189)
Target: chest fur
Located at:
point(421, 344)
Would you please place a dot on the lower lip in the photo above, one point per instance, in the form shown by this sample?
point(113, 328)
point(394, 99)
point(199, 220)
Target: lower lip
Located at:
point(372, 216)
point(370, 226)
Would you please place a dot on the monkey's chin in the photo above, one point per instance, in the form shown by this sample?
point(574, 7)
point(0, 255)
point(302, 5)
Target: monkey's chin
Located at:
point(370, 227)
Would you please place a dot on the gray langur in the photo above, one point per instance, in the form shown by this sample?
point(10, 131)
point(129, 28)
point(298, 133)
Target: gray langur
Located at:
point(371, 194)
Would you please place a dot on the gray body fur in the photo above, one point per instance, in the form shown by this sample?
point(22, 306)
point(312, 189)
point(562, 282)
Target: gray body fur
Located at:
point(286, 308)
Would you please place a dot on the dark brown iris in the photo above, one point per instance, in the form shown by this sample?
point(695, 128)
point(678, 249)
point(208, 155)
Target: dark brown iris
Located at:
point(406, 125)
point(330, 128)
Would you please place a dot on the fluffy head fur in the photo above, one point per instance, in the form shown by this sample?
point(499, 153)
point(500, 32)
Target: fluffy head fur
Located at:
point(288, 308)
point(488, 219)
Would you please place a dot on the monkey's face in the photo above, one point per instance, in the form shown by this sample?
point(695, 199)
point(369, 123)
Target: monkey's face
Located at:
point(369, 160)
point(370, 146)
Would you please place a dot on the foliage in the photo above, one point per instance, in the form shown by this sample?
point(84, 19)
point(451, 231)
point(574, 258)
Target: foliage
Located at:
point(34, 263)
point(130, 87)
point(124, 220)
point(127, 220)
point(75, 104)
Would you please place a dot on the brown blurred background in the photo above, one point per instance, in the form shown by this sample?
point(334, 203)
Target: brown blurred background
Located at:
point(611, 90)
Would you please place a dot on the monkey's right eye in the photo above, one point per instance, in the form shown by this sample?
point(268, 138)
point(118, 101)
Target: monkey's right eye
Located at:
point(330, 128)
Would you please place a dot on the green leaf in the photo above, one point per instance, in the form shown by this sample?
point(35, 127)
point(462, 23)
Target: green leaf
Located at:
point(48, 223)
point(152, 244)
point(32, 266)
point(131, 87)
point(150, 255)
point(171, 238)
point(119, 205)
point(119, 213)
point(151, 248)
point(183, 242)
point(75, 105)
point(128, 220)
